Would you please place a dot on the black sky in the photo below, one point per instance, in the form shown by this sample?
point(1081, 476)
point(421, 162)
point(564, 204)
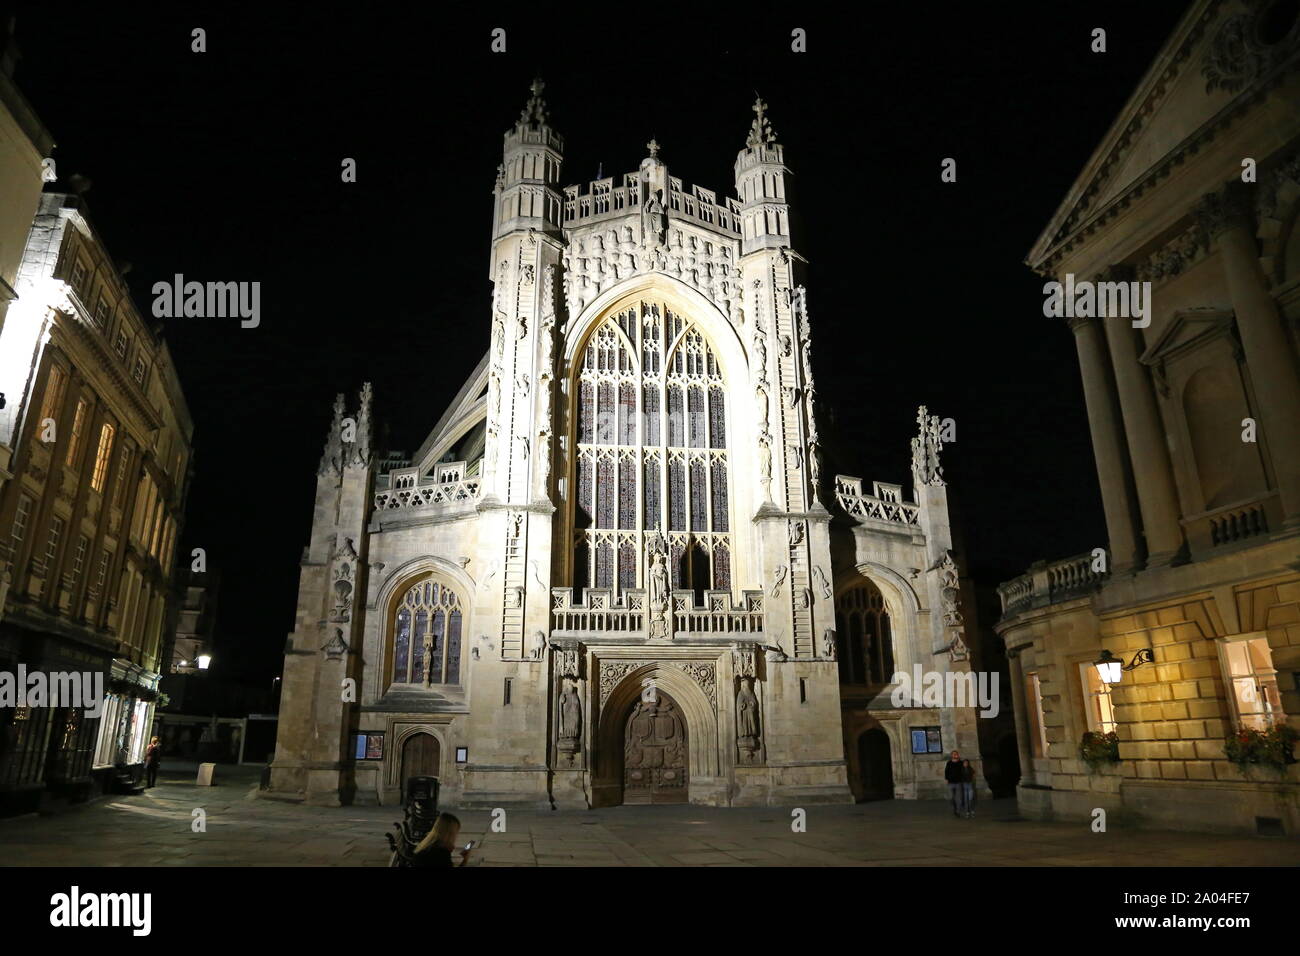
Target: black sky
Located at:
point(225, 166)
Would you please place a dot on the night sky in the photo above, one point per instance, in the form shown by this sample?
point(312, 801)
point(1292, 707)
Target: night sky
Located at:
point(225, 166)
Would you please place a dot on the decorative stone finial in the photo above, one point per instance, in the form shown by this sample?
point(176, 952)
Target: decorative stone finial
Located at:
point(534, 113)
point(760, 132)
point(331, 461)
point(653, 146)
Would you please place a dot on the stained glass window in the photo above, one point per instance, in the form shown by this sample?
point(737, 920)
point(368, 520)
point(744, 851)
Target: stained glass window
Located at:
point(627, 414)
point(675, 438)
point(584, 515)
point(429, 610)
point(718, 477)
point(633, 394)
point(650, 404)
point(653, 514)
point(627, 494)
point(676, 495)
point(401, 645)
point(605, 492)
point(604, 564)
point(867, 648)
point(695, 398)
point(587, 418)
point(627, 564)
point(605, 415)
point(699, 497)
point(717, 419)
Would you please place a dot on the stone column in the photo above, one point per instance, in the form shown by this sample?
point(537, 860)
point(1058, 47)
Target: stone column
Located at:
point(1152, 473)
point(1020, 713)
point(1107, 443)
point(1269, 354)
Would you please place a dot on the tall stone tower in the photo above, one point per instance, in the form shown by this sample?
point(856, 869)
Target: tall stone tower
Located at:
point(515, 509)
point(322, 669)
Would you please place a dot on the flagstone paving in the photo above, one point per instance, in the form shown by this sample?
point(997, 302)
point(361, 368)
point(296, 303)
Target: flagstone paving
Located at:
point(243, 829)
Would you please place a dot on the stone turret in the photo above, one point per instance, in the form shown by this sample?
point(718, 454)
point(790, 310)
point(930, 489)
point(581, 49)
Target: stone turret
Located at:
point(760, 184)
point(320, 655)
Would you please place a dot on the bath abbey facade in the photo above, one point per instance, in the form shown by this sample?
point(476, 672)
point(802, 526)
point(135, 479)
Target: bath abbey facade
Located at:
point(615, 572)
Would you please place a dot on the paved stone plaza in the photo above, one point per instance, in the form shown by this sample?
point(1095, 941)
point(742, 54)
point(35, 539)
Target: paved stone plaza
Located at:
point(154, 829)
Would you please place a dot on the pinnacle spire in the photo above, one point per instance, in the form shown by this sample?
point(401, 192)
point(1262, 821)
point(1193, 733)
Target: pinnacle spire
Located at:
point(534, 112)
point(760, 131)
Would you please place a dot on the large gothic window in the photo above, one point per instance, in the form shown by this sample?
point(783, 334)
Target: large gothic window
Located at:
point(652, 453)
point(865, 646)
point(426, 629)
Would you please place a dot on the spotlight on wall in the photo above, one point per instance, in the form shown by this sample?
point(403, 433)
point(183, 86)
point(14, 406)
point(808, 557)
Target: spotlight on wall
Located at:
point(1111, 668)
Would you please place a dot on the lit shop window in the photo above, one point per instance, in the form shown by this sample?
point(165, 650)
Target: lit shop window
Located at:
point(1252, 681)
point(1098, 704)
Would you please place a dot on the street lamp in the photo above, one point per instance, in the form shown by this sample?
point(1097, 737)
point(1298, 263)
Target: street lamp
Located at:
point(204, 660)
point(1111, 668)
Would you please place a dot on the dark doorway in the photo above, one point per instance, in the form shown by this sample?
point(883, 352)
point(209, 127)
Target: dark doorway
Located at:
point(655, 752)
point(421, 757)
point(875, 765)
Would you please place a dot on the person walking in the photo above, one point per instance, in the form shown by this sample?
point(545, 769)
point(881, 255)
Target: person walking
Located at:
point(953, 774)
point(968, 787)
point(152, 758)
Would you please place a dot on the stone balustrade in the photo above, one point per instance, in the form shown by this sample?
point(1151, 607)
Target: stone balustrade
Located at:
point(1050, 583)
point(424, 496)
point(884, 504)
point(599, 611)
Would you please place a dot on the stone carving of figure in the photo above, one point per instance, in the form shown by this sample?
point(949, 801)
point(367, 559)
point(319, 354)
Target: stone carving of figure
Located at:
point(796, 533)
point(814, 462)
point(536, 645)
point(747, 715)
point(765, 458)
point(760, 351)
point(828, 643)
point(570, 716)
point(658, 588)
point(778, 578)
point(428, 659)
point(822, 582)
point(764, 412)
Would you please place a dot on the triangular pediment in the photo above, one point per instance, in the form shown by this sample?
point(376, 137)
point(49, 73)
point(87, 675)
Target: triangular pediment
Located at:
point(1180, 97)
point(1186, 332)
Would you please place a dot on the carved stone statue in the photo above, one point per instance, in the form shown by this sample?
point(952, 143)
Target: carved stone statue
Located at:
point(747, 727)
point(536, 645)
point(828, 643)
point(428, 658)
point(570, 716)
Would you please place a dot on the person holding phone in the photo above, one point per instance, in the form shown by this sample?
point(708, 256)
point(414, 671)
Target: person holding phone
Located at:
point(436, 848)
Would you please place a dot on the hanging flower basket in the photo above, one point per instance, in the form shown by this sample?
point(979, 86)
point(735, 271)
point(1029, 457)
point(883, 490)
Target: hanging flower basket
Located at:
point(1099, 750)
point(1249, 747)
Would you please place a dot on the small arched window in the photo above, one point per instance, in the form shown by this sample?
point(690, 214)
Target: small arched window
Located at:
point(426, 629)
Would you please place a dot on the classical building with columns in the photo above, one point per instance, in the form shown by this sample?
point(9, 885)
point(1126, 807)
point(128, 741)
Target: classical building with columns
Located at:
point(614, 570)
point(1195, 422)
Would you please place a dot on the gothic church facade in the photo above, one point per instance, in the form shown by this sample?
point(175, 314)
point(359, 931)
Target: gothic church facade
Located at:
point(614, 571)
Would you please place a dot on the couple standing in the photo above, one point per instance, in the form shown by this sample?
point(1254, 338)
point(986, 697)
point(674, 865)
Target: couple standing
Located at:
point(960, 775)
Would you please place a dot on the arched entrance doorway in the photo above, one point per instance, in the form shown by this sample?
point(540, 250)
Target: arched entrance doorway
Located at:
point(875, 765)
point(655, 751)
point(421, 757)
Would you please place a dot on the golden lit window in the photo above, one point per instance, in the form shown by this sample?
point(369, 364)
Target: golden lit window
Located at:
point(78, 426)
point(1098, 704)
point(1252, 681)
point(52, 402)
point(1037, 724)
point(102, 455)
